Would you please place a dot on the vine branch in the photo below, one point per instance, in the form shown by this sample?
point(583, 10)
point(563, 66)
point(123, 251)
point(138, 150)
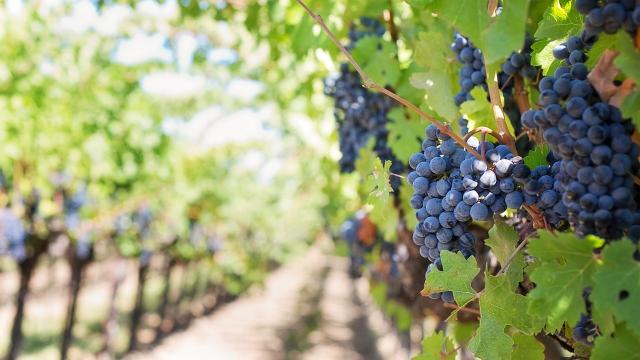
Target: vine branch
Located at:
point(462, 309)
point(368, 83)
point(498, 113)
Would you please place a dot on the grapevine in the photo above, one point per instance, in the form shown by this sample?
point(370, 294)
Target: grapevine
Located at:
point(583, 185)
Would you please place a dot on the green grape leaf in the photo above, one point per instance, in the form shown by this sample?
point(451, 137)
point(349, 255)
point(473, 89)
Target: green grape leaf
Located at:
point(463, 331)
point(605, 41)
point(628, 59)
point(501, 302)
point(507, 32)
point(559, 21)
point(406, 192)
point(624, 345)
point(437, 347)
point(439, 92)
point(490, 341)
point(433, 54)
point(478, 110)
point(432, 50)
point(497, 37)
point(630, 107)
point(403, 317)
point(378, 59)
point(566, 266)
point(418, 4)
point(527, 347)
point(542, 55)
point(616, 286)
point(456, 276)
point(503, 240)
point(537, 156)
point(377, 189)
point(404, 131)
point(379, 293)
point(358, 8)
point(469, 17)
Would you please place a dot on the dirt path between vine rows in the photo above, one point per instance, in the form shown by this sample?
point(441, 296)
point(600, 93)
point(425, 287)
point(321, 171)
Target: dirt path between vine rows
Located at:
point(308, 309)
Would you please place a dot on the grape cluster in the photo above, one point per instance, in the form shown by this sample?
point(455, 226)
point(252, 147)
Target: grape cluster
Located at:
point(593, 142)
point(361, 114)
point(540, 187)
point(609, 16)
point(72, 205)
point(349, 232)
point(572, 52)
point(368, 27)
point(473, 72)
point(452, 188)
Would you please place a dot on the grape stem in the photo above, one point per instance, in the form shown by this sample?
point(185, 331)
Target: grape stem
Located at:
point(463, 309)
point(498, 113)
point(484, 130)
point(370, 84)
point(492, 8)
point(396, 175)
point(522, 96)
point(505, 266)
point(388, 16)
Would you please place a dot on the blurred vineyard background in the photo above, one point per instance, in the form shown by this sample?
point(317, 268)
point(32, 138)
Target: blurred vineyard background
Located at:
point(148, 171)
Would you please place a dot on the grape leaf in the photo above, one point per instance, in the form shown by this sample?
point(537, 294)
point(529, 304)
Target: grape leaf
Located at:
point(433, 54)
point(616, 286)
point(463, 331)
point(526, 347)
point(377, 189)
point(559, 21)
point(456, 276)
point(403, 132)
point(383, 213)
point(437, 86)
point(507, 32)
point(537, 156)
point(378, 59)
point(565, 267)
point(624, 345)
point(497, 37)
point(628, 59)
point(490, 342)
point(503, 240)
point(505, 306)
point(631, 107)
point(406, 192)
point(358, 8)
point(437, 347)
point(542, 55)
point(478, 110)
point(469, 17)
